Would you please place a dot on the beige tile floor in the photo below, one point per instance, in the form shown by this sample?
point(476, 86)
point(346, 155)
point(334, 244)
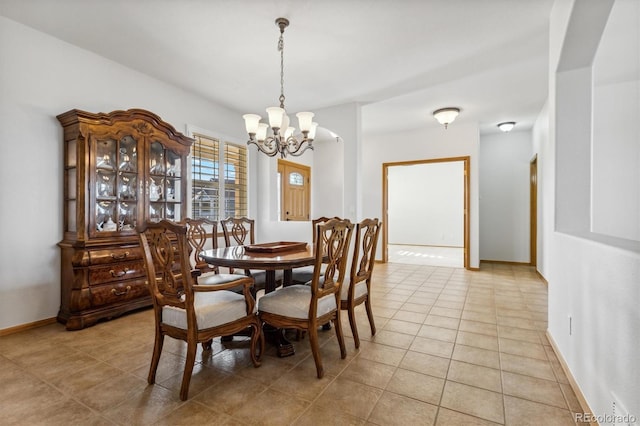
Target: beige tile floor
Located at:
point(453, 347)
point(426, 255)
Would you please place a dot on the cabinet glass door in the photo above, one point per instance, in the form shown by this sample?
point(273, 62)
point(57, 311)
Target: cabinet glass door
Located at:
point(116, 183)
point(105, 181)
point(164, 184)
point(127, 184)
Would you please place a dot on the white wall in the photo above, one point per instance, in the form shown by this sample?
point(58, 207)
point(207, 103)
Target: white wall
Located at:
point(504, 196)
point(616, 125)
point(426, 204)
point(41, 77)
point(593, 281)
point(461, 139)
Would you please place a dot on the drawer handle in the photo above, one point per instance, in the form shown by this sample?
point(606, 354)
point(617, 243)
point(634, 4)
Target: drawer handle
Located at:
point(120, 293)
point(119, 256)
point(122, 273)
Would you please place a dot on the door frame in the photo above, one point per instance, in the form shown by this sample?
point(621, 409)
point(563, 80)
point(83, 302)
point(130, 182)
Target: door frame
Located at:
point(533, 211)
point(385, 201)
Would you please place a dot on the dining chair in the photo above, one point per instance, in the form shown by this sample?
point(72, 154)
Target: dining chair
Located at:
point(304, 274)
point(187, 311)
point(357, 289)
point(305, 307)
point(202, 235)
point(240, 231)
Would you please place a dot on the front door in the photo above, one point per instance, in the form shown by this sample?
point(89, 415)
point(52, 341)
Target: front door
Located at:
point(296, 190)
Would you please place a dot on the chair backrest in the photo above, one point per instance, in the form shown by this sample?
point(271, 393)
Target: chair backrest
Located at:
point(331, 248)
point(166, 260)
point(238, 231)
point(364, 252)
point(320, 220)
point(202, 234)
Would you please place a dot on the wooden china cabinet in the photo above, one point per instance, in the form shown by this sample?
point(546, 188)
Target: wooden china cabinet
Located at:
point(120, 170)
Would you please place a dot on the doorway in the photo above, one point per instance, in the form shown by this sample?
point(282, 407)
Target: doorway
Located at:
point(463, 203)
point(295, 194)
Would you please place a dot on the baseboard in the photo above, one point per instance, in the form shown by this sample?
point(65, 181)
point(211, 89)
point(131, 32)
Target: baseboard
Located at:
point(506, 262)
point(544, 280)
point(572, 381)
point(28, 326)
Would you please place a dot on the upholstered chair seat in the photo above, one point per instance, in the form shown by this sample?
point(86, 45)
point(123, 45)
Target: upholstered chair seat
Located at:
point(304, 274)
point(211, 308)
point(359, 291)
point(293, 301)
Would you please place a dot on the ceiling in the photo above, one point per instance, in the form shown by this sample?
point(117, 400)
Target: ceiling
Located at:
point(401, 59)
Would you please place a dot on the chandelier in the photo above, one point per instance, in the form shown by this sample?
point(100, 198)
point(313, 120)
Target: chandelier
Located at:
point(282, 141)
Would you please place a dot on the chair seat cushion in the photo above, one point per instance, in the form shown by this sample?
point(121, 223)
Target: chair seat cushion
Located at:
point(293, 302)
point(305, 273)
point(213, 278)
point(213, 308)
point(260, 276)
point(361, 289)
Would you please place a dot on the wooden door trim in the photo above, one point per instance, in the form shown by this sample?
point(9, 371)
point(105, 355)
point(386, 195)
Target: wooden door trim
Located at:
point(385, 201)
point(533, 211)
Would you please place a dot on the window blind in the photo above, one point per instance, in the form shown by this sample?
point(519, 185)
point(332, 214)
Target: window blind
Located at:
point(235, 180)
point(205, 172)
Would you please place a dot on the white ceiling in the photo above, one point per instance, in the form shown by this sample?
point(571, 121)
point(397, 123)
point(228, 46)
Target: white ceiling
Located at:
point(402, 59)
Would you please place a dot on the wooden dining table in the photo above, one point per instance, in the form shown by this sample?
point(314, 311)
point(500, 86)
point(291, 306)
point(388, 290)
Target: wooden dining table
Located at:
point(269, 257)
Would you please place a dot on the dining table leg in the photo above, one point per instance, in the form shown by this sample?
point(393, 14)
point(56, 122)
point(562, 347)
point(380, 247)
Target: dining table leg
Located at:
point(285, 347)
point(287, 278)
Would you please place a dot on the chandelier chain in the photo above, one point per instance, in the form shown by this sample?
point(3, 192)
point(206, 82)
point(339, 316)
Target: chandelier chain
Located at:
point(281, 49)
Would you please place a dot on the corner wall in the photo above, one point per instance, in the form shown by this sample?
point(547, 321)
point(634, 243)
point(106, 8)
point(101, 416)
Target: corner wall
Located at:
point(41, 77)
point(593, 282)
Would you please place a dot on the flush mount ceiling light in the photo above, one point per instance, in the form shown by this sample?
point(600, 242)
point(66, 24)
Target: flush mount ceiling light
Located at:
point(446, 115)
point(506, 126)
point(282, 141)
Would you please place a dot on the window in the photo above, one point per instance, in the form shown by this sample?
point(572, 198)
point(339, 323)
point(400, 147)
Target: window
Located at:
point(217, 196)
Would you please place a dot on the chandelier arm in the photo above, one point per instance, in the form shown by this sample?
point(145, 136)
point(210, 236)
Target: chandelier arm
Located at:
point(266, 148)
point(298, 145)
point(304, 147)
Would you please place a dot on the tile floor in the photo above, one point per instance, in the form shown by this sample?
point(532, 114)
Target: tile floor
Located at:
point(453, 347)
point(426, 255)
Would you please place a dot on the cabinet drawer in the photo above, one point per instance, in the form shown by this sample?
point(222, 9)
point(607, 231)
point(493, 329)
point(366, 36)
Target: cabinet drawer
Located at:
point(117, 271)
point(100, 257)
point(118, 292)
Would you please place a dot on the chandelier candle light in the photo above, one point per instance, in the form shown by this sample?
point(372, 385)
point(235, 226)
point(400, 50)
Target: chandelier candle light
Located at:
point(282, 141)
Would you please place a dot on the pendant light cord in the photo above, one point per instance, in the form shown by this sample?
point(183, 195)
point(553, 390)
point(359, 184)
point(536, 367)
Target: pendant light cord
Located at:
point(281, 49)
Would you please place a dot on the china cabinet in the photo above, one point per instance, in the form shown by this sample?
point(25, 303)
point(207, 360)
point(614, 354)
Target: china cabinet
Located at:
point(120, 170)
